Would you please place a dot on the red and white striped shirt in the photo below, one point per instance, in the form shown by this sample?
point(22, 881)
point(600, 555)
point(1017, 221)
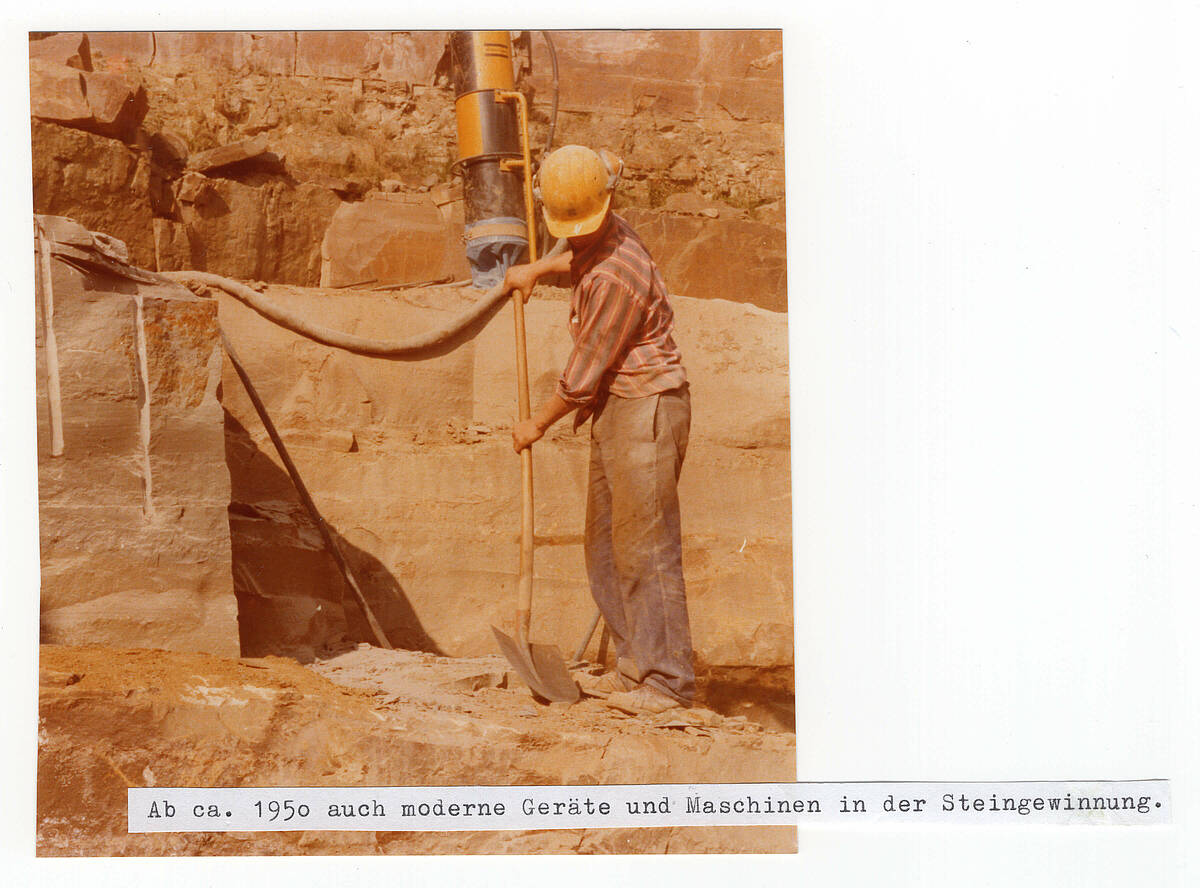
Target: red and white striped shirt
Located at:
point(621, 322)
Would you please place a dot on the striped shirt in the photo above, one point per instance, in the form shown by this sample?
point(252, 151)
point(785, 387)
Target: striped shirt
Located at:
point(621, 322)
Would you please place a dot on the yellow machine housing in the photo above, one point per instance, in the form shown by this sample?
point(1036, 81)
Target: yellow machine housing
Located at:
point(489, 140)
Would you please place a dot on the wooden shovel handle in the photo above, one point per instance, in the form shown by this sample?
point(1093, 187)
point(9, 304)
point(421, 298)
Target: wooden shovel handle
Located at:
point(525, 580)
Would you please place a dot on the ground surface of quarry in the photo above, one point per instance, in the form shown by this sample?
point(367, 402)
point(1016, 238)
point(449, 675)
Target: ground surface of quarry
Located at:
point(113, 718)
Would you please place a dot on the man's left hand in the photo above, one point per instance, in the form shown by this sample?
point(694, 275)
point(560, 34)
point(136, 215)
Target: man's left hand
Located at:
point(521, 279)
point(525, 433)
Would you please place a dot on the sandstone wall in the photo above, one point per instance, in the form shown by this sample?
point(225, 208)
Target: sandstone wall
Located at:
point(135, 545)
point(697, 116)
point(411, 463)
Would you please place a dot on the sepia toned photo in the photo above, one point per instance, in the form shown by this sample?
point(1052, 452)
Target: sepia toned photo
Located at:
point(412, 410)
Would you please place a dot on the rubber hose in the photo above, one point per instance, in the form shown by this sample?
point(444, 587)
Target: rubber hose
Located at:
point(554, 101)
point(413, 347)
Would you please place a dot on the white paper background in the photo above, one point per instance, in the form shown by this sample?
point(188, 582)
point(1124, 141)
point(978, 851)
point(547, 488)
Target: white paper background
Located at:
point(994, 267)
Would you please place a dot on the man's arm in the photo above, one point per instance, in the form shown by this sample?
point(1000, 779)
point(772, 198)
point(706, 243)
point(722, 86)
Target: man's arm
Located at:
point(523, 277)
point(608, 323)
point(552, 410)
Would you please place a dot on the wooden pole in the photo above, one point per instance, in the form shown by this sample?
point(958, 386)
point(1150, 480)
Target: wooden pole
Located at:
point(53, 386)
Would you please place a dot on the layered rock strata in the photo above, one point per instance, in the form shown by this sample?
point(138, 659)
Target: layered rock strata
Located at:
point(412, 466)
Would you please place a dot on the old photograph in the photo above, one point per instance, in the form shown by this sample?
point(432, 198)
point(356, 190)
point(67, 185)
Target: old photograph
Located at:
point(710, 446)
point(413, 410)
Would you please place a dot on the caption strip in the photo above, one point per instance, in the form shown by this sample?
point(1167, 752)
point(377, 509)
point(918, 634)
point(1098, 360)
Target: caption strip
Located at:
point(1086, 803)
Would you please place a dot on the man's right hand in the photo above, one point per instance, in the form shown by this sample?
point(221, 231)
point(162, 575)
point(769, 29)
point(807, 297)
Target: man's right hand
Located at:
point(521, 278)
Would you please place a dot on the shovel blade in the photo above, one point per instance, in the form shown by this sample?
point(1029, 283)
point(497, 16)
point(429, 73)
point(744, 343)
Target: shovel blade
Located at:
point(541, 667)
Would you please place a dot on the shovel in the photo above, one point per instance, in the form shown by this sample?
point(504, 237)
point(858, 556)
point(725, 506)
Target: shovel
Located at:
point(540, 666)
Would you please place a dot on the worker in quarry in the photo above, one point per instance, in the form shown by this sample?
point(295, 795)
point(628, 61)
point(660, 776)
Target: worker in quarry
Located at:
point(626, 374)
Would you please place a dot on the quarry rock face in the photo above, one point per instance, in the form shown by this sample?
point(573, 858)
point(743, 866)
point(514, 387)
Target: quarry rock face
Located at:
point(252, 162)
point(98, 181)
point(411, 464)
point(692, 113)
point(268, 232)
point(134, 534)
point(225, 155)
point(408, 56)
point(681, 73)
point(735, 259)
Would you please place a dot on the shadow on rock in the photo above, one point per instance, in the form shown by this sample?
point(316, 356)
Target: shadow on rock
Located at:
point(292, 599)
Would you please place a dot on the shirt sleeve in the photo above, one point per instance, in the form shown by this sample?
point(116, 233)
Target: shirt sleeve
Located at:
point(609, 320)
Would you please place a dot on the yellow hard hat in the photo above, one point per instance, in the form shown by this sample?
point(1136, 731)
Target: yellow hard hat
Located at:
point(575, 185)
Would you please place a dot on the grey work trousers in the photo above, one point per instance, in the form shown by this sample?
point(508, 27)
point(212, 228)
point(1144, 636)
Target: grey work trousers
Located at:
point(632, 542)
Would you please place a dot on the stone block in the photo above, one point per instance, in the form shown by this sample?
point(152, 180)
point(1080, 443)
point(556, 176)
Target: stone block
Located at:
point(411, 56)
point(121, 48)
point(426, 501)
point(227, 155)
point(272, 232)
point(97, 102)
point(175, 50)
point(272, 52)
point(687, 74)
point(57, 93)
point(133, 516)
point(385, 241)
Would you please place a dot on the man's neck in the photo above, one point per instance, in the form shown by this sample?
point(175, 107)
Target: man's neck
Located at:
point(581, 243)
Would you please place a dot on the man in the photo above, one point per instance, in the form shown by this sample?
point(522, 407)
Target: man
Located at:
point(625, 372)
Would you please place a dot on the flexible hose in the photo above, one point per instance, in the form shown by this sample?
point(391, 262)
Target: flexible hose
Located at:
point(415, 347)
point(553, 105)
point(554, 102)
